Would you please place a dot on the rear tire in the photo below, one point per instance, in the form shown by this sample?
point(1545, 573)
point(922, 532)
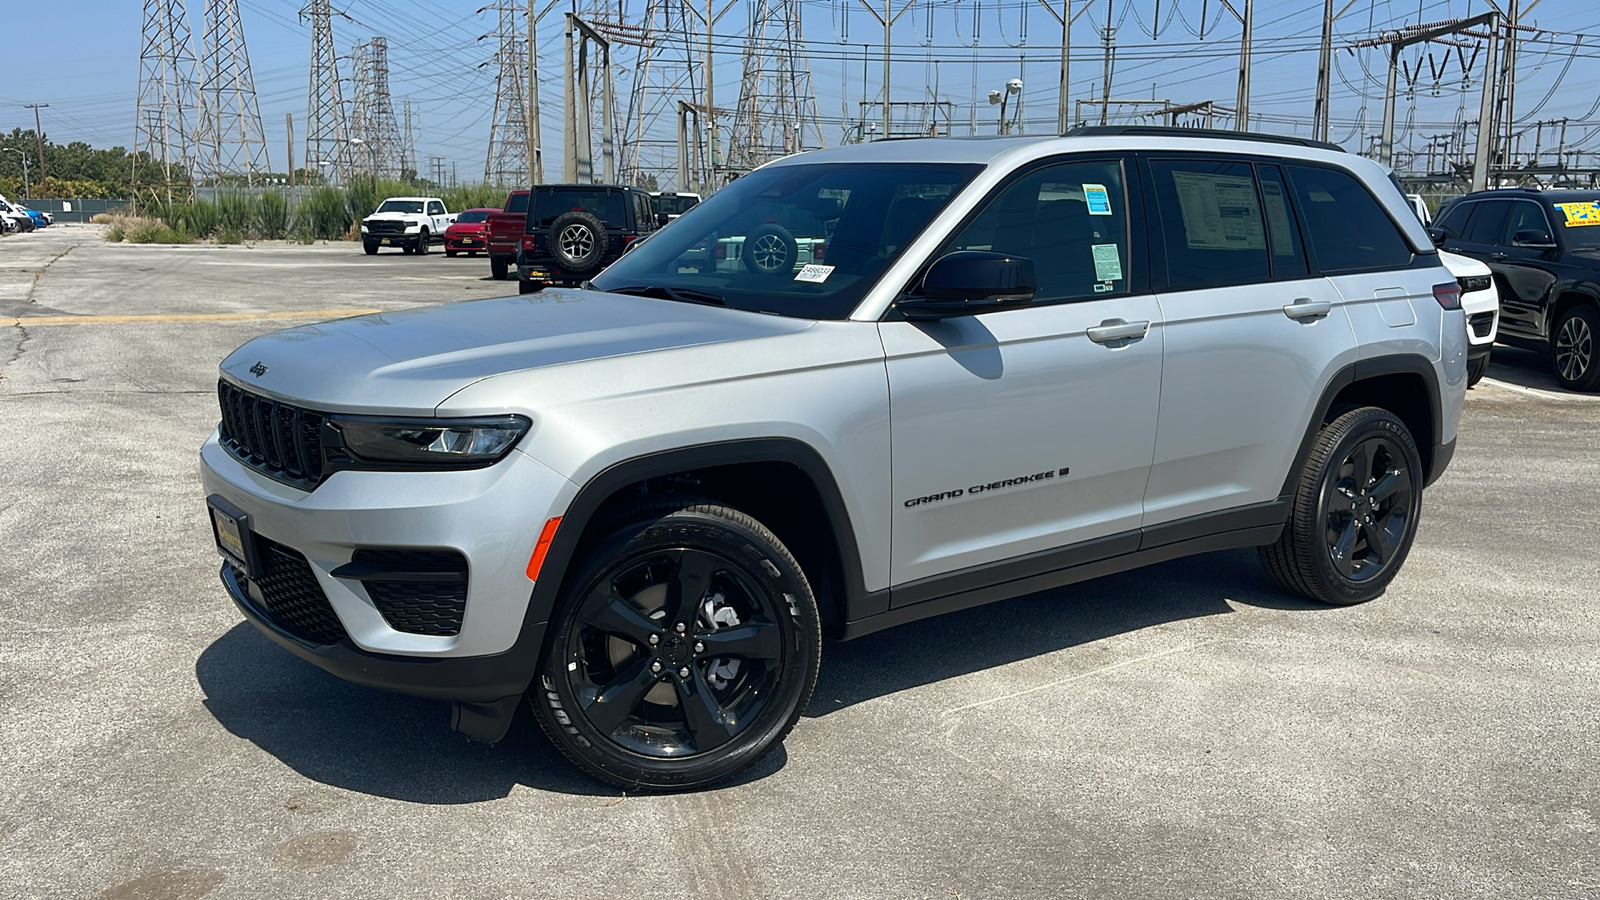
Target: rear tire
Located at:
point(685, 646)
point(1576, 348)
point(498, 267)
point(1355, 511)
point(529, 287)
point(1476, 369)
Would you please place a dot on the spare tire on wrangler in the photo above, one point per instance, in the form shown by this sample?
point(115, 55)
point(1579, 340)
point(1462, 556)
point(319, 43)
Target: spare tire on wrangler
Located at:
point(578, 241)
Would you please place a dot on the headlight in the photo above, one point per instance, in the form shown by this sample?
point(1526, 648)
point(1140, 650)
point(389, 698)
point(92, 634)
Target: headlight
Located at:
point(363, 228)
point(431, 442)
point(1471, 284)
point(413, 226)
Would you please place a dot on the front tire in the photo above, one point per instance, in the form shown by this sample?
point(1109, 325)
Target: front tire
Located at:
point(424, 243)
point(1476, 369)
point(449, 253)
point(685, 646)
point(370, 248)
point(1575, 350)
point(1355, 511)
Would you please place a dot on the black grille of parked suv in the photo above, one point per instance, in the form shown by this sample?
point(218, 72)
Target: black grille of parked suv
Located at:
point(417, 591)
point(1481, 323)
point(386, 226)
point(276, 439)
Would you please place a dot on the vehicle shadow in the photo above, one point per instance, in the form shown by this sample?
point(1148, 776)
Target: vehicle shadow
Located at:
point(402, 748)
point(982, 638)
point(1524, 368)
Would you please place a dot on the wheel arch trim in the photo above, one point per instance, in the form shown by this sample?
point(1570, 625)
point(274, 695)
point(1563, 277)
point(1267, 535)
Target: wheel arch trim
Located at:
point(1365, 370)
point(595, 491)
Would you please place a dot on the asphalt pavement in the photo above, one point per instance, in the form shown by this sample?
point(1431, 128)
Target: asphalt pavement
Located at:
point(1186, 730)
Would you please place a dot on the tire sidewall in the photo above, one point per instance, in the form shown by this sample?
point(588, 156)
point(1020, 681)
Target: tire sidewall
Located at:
point(1347, 431)
point(771, 229)
point(552, 697)
point(597, 250)
point(1590, 379)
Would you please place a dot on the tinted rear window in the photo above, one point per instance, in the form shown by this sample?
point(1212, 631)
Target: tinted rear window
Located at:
point(607, 205)
point(473, 215)
point(1349, 229)
point(517, 203)
point(1212, 221)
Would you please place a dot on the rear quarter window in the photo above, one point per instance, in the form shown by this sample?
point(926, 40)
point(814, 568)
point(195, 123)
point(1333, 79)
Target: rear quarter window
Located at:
point(1348, 228)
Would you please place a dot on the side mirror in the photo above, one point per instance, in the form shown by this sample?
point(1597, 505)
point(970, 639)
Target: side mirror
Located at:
point(1436, 235)
point(969, 282)
point(662, 219)
point(1533, 239)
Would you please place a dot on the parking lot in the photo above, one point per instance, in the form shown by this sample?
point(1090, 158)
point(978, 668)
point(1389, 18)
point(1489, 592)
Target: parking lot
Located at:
point(1186, 730)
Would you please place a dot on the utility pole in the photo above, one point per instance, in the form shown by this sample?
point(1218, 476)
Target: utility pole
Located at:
point(1422, 34)
point(288, 144)
point(38, 135)
point(1320, 112)
point(1108, 40)
point(579, 162)
point(1482, 161)
point(887, 19)
point(535, 132)
point(1508, 80)
point(1066, 18)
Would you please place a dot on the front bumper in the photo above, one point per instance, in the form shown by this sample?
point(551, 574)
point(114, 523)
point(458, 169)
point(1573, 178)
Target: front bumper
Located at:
point(470, 243)
point(491, 516)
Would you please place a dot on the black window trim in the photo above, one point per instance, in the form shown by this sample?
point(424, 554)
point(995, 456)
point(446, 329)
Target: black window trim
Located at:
point(1471, 207)
point(1138, 279)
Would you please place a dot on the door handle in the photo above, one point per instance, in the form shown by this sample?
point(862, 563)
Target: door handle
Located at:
point(1498, 254)
point(1113, 330)
point(1307, 308)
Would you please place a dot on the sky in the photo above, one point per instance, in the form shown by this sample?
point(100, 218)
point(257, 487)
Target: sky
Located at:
point(81, 57)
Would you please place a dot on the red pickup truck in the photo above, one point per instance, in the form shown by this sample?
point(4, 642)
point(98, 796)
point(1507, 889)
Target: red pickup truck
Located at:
point(504, 230)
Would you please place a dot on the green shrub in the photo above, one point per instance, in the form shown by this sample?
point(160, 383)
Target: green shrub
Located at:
point(115, 234)
point(324, 215)
point(157, 232)
point(230, 235)
point(272, 216)
point(236, 212)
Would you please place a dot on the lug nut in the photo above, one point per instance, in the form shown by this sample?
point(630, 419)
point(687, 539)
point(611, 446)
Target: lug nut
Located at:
point(681, 627)
point(683, 672)
point(699, 647)
point(655, 639)
point(655, 666)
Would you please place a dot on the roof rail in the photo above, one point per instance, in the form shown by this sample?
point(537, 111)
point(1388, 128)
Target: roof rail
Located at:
point(1208, 133)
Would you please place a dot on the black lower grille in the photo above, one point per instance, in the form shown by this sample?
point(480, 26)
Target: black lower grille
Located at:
point(416, 591)
point(276, 439)
point(1481, 323)
point(386, 226)
point(293, 598)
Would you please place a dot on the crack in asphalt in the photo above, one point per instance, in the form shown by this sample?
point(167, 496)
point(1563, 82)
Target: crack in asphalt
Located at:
point(46, 267)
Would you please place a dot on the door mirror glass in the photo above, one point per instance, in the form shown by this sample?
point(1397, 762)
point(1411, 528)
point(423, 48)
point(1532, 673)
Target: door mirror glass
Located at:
point(1436, 235)
point(1533, 239)
point(969, 282)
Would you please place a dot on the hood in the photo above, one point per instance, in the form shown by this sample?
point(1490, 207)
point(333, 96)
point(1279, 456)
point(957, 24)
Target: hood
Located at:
point(397, 216)
point(469, 227)
point(410, 361)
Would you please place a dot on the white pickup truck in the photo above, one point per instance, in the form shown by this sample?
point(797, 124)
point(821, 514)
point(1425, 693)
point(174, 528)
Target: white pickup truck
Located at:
point(411, 223)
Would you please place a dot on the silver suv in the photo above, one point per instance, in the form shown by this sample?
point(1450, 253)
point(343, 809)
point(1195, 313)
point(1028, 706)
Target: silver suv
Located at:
point(999, 366)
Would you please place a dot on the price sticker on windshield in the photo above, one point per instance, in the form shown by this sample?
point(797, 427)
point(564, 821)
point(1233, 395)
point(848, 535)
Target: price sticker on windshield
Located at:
point(813, 273)
point(1586, 212)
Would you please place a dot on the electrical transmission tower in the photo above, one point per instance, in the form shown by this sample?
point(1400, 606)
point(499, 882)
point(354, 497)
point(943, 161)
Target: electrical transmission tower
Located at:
point(777, 111)
point(669, 73)
point(162, 127)
point(373, 128)
point(507, 159)
point(327, 152)
point(231, 138)
point(408, 143)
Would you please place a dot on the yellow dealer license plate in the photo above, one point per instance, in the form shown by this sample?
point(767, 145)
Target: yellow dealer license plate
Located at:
point(231, 528)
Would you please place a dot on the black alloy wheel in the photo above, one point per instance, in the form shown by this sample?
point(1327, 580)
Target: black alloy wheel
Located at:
point(1574, 348)
point(685, 648)
point(1355, 510)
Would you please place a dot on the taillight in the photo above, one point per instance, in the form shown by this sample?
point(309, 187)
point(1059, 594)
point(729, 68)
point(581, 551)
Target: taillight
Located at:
point(720, 251)
point(528, 242)
point(628, 239)
point(1448, 295)
point(819, 252)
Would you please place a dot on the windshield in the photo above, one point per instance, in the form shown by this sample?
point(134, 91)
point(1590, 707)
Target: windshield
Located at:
point(1579, 223)
point(675, 205)
point(473, 215)
point(401, 206)
point(803, 240)
point(603, 203)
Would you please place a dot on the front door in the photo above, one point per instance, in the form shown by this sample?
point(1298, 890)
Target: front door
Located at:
point(1030, 429)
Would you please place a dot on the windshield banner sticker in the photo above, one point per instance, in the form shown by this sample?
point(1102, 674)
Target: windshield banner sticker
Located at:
point(1107, 262)
point(813, 273)
point(1586, 212)
point(1099, 201)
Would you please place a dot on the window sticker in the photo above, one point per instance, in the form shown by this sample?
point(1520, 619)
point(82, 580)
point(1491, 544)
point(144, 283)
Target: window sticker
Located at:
point(1099, 201)
point(813, 273)
point(1107, 262)
point(1219, 211)
point(1586, 212)
point(1278, 218)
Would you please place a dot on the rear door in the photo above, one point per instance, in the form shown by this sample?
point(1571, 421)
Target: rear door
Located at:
point(1251, 335)
point(1022, 431)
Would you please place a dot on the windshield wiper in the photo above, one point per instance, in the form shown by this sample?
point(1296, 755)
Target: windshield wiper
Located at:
point(661, 291)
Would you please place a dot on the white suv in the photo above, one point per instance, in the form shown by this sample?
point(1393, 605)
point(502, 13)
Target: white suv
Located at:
point(1012, 365)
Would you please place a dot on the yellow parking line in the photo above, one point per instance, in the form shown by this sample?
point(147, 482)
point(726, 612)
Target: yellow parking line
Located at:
point(171, 318)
